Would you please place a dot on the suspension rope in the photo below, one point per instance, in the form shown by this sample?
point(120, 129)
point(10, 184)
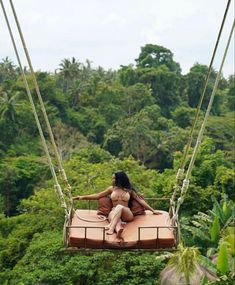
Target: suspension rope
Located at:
point(180, 172)
point(185, 185)
point(51, 166)
point(59, 161)
point(100, 218)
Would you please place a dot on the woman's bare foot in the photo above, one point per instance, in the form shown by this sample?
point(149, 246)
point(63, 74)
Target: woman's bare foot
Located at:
point(119, 232)
point(110, 232)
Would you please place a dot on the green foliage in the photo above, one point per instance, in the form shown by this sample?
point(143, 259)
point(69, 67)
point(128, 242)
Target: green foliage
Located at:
point(164, 84)
point(136, 98)
point(136, 136)
point(68, 141)
point(93, 154)
point(147, 136)
point(186, 266)
point(224, 181)
point(155, 56)
point(207, 229)
point(45, 262)
point(8, 134)
point(90, 123)
point(127, 75)
point(183, 116)
point(225, 210)
point(207, 162)
point(185, 259)
point(16, 234)
point(231, 93)
point(68, 72)
point(221, 130)
point(8, 100)
point(140, 114)
point(195, 85)
point(107, 94)
point(229, 238)
point(89, 177)
point(22, 146)
point(215, 230)
point(222, 261)
point(17, 179)
point(220, 224)
point(8, 71)
point(199, 228)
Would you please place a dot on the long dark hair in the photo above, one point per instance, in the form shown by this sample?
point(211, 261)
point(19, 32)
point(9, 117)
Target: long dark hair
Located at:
point(123, 181)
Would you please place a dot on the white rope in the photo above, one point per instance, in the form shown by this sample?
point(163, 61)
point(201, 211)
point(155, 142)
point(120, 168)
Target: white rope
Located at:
point(101, 217)
point(201, 132)
point(190, 137)
point(180, 173)
point(62, 171)
point(51, 166)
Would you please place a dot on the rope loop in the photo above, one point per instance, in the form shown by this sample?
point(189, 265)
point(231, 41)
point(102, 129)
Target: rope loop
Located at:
point(180, 200)
point(180, 173)
point(172, 202)
point(175, 218)
point(185, 183)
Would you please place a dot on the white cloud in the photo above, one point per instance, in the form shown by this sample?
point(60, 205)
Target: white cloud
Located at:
point(110, 33)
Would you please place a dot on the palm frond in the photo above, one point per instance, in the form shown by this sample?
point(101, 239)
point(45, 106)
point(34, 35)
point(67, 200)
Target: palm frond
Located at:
point(200, 225)
point(4, 97)
point(164, 256)
point(205, 261)
point(218, 211)
point(196, 232)
point(228, 222)
point(14, 97)
point(204, 217)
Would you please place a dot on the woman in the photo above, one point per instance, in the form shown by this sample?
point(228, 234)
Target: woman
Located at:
point(121, 193)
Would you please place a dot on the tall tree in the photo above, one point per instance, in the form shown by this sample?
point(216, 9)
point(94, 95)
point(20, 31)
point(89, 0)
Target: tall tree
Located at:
point(8, 105)
point(155, 56)
point(231, 93)
point(164, 84)
point(185, 267)
point(127, 75)
point(195, 85)
point(69, 70)
point(136, 98)
point(8, 70)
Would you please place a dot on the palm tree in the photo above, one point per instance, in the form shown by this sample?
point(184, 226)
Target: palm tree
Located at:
point(87, 70)
point(69, 71)
point(8, 105)
point(7, 70)
point(214, 222)
point(214, 231)
point(185, 268)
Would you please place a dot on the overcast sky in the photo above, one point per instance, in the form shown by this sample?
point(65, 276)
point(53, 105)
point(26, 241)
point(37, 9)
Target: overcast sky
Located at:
point(110, 33)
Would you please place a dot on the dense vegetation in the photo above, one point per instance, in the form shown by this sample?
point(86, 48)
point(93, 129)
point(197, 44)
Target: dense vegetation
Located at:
point(137, 119)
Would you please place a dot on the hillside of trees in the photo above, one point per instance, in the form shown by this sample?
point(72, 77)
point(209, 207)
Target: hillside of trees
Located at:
point(136, 119)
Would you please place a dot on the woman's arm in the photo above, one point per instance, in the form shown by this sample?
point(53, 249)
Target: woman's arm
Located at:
point(144, 203)
point(94, 196)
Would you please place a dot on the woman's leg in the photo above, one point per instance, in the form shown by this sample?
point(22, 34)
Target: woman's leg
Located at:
point(119, 228)
point(115, 219)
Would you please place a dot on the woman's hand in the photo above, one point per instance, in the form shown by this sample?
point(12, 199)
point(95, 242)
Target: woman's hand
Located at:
point(77, 198)
point(157, 213)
